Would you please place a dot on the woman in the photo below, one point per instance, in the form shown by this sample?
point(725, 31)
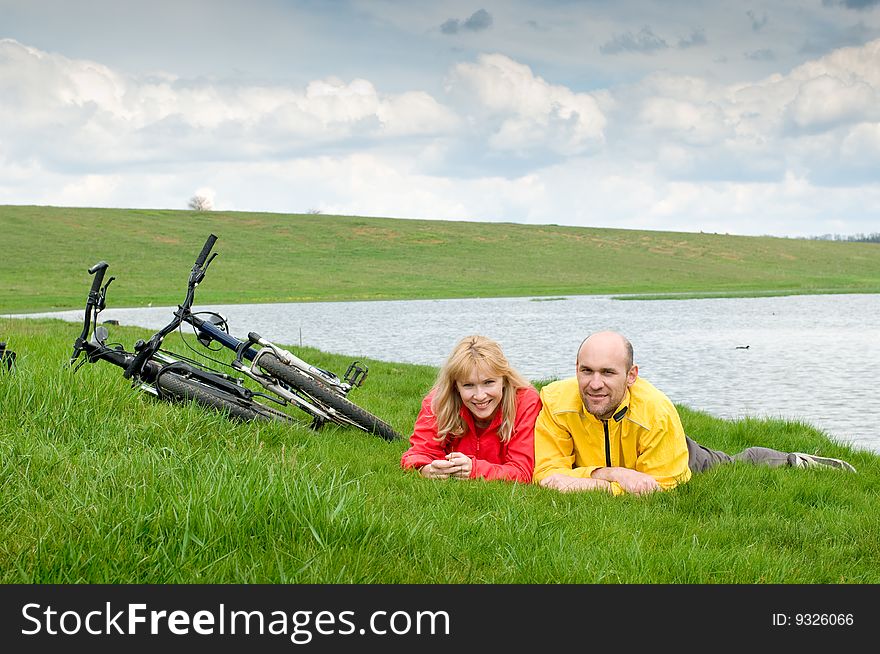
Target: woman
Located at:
point(478, 421)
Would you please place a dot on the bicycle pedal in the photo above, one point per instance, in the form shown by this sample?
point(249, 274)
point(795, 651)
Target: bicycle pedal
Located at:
point(356, 374)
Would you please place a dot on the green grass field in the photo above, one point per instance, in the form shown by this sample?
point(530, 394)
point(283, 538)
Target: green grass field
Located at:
point(101, 484)
point(291, 257)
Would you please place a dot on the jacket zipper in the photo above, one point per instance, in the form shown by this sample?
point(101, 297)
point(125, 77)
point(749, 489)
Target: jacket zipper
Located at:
point(607, 445)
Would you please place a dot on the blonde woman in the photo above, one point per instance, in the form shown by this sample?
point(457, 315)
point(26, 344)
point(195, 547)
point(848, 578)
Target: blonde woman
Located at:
point(478, 421)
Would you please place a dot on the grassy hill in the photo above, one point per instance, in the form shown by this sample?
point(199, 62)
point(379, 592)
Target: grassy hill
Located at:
point(293, 257)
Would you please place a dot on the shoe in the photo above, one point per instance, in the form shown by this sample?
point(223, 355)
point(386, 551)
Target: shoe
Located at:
point(813, 461)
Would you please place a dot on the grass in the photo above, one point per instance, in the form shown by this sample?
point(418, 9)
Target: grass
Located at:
point(293, 257)
point(100, 484)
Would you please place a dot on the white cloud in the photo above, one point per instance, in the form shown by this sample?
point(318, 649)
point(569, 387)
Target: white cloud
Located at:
point(88, 190)
point(862, 143)
point(415, 113)
point(848, 64)
point(825, 102)
point(696, 124)
point(525, 112)
point(84, 107)
point(803, 122)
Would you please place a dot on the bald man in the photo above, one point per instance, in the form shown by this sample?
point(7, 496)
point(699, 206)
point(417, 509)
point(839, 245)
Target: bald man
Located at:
point(609, 429)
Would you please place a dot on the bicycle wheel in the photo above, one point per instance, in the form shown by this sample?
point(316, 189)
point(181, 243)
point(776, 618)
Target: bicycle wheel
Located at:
point(342, 410)
point(177, 387)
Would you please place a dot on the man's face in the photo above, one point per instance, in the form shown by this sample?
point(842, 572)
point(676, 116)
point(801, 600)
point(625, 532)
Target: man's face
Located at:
point(602, 374)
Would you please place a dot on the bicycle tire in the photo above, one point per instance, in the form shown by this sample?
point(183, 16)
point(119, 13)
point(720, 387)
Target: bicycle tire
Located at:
point(179, 388)
point(338, 406)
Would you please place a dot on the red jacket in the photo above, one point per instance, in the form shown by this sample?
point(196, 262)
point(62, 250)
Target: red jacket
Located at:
point(492, 459)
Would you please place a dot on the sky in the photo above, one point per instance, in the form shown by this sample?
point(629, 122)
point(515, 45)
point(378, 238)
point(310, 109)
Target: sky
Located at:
point(748, 117)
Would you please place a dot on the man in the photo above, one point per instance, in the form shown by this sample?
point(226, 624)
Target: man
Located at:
point(608, 429)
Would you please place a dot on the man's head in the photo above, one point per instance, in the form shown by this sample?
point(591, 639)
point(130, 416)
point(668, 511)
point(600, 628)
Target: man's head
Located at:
point(604, 371)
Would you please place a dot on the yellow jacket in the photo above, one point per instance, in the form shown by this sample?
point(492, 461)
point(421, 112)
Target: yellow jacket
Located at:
point(645, 434)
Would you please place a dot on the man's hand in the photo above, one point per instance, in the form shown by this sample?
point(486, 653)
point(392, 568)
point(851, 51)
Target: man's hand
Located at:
point(569, 484)
point(632, 481)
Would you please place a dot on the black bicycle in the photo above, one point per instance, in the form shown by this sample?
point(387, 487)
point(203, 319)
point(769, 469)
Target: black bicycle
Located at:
point(289, 380)
point(161, 373)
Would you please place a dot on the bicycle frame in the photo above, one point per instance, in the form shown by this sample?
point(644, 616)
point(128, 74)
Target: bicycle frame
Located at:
point(207, 331)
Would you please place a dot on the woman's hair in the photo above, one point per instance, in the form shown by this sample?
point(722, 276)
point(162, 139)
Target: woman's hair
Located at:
point(484, 354)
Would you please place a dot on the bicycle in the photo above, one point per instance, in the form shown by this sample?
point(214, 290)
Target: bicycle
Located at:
point(318, 392)
point(290, 380)
point(160, 373)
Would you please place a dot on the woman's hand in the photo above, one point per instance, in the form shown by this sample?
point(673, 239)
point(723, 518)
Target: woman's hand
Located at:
point(437, 469)
point(455, 464)
point(460, 465)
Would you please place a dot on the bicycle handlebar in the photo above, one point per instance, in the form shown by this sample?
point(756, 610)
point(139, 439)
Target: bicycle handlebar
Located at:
point(206, 250)
point(135, 363)
point(98, 270)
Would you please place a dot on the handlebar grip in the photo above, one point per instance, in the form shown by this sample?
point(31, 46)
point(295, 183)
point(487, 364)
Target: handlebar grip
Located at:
point(98, 271)
point(206, 250)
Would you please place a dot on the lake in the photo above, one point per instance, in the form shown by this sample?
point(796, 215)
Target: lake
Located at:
point(812, 358)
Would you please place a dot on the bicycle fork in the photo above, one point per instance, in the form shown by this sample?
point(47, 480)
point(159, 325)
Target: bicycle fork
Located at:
point(319, 414)
point(322, 376)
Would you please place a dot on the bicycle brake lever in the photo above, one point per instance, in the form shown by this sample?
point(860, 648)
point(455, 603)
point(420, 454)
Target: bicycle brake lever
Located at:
point(102, 296)
point(198, 272)
point(144, 352)
point(77, 350)
point(80, 363)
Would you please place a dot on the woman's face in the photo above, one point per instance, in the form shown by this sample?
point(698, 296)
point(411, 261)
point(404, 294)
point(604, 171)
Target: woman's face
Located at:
point(481, 393)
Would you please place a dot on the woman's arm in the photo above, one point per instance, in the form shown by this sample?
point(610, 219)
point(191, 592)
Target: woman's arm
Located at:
point(424, 446)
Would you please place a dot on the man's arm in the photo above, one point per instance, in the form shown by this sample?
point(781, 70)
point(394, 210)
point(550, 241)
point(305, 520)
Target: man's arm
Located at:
point(554, 446)
point(663, 453)
point(662, 458)
point(568, 484)
point(631, 481)
point(554, 457)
